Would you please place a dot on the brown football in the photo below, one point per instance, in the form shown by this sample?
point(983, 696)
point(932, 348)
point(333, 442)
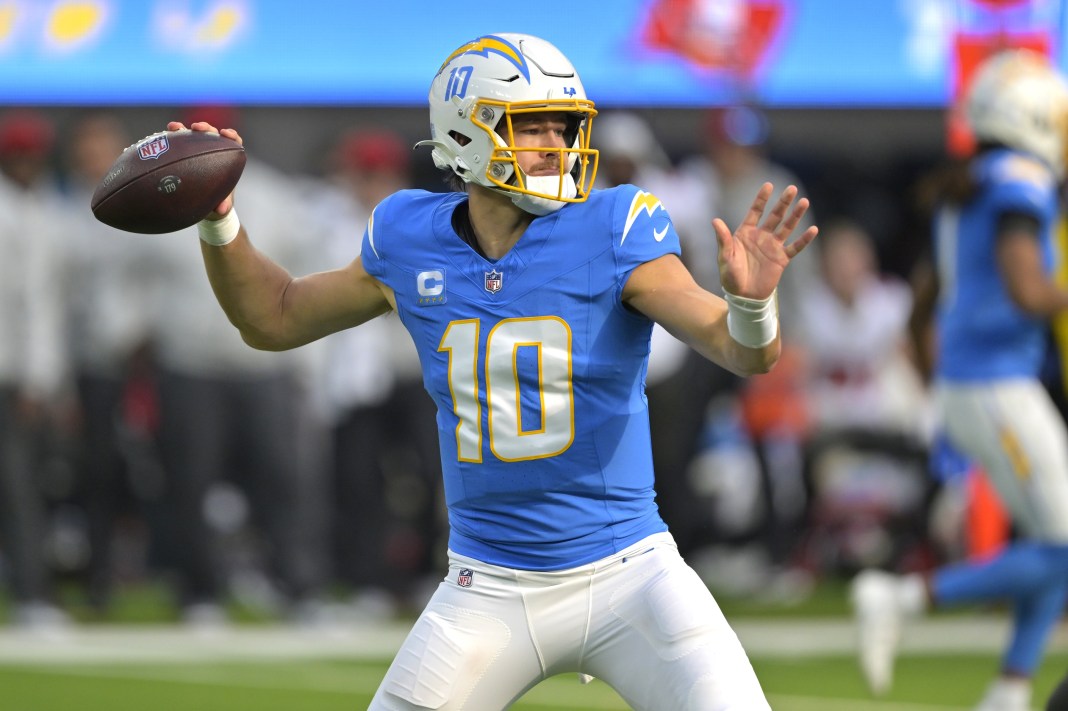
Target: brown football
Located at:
point(168, 181)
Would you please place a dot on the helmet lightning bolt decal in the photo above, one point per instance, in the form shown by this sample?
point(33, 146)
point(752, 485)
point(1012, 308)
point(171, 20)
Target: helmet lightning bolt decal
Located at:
point(490, 43)
point(642, 201)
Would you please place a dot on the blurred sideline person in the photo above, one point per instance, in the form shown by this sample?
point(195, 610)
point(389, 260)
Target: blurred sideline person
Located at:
point(33, 370)
point(109, 338)
point(733, 163)
point(734, 159)
point(867, 405)
point(993, 240)
point(854, 332)
point(385, 473)
point(531, 301)
point(247, 505)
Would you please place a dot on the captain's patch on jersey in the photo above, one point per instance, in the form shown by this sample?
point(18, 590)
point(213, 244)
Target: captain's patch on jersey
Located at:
point(430, 285)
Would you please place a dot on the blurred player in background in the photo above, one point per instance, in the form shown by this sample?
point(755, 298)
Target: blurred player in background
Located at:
point(531, 301)
point(109, 335)
point(993, 240)
point(32, 363)
point(231, 431)
point(385, 470)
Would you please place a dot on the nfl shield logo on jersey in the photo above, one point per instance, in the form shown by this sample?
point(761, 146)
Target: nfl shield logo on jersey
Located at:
point(494, 281)
point(464, 578)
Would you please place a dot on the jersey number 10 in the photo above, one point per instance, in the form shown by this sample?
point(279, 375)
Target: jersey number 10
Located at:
point(509, 442)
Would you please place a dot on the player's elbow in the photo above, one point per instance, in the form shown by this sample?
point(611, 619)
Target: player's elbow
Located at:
point(262, 343)
point(263, 339)
point(755, 361)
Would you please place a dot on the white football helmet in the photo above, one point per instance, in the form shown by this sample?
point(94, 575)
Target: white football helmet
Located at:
point(476, 93)
point(1019, 100)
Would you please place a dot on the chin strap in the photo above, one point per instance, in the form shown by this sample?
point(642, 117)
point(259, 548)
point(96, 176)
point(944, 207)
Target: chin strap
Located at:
point(546, 185)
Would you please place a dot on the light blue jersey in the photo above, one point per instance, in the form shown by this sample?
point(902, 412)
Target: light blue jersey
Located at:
point(537, 369)
point(983, 335)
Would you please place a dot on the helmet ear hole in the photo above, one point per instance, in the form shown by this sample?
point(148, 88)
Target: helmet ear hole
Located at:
point(459, 138)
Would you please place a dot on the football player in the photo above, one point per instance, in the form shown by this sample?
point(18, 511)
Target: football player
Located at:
point(531, 299)
point(993, 229)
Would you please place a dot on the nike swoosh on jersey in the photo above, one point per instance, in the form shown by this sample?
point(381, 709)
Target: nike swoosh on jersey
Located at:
point(659, 235)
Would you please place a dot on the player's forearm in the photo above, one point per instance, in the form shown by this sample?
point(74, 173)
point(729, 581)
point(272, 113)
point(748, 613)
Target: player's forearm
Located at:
point(753, 332)
point(1041, 297)
point(717, 345)
point(710, 336)
point(250, 289)
point(752, 361)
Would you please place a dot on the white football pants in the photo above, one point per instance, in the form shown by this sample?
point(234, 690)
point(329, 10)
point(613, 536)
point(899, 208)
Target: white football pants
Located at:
point(640, 620)
point(1013, 429)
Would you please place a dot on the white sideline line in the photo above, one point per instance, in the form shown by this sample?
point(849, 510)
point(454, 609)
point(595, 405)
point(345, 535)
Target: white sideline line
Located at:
point(346, 682)
point(350, 682)
point(166, 643)
point(151, 644)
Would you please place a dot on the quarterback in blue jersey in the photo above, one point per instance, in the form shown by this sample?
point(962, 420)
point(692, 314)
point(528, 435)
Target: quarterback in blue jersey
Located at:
point(993, 231)
point(531, 301)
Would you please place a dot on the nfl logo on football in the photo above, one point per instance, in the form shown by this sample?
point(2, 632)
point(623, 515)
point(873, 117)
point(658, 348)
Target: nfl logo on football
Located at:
point(464, 578)
point(494, 281)
point(154, 148)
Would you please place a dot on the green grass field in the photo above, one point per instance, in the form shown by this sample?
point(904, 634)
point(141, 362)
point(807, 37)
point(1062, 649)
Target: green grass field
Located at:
point(924, 683)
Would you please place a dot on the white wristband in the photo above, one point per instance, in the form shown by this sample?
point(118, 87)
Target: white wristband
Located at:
point(221, 231)
point(754, 323)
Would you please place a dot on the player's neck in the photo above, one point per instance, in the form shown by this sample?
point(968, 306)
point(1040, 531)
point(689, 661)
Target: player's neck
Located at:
point(497, 222)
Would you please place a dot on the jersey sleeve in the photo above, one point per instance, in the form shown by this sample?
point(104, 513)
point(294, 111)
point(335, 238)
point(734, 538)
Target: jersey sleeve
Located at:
point(1022, 185)
point(371, 254)
point(642, 229)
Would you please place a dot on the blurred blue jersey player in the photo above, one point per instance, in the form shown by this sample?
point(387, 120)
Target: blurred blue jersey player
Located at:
point(994, 257)
point(531, 300)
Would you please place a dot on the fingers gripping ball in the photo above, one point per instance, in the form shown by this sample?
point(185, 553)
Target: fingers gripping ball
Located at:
point(168, 181)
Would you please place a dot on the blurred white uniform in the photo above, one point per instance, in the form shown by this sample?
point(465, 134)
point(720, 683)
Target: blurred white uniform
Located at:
point(368, 388)
point(358, 365)
point(231, 412)
point(853, 327)
point(32, 228)
point(33, 369)
point(108, 278)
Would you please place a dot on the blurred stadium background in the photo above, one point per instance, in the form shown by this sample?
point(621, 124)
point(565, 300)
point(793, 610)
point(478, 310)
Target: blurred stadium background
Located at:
point(782, 503)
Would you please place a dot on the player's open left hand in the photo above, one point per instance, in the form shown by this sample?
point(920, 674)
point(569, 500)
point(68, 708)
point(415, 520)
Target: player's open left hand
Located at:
point(752, 260)
point(224, 206)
